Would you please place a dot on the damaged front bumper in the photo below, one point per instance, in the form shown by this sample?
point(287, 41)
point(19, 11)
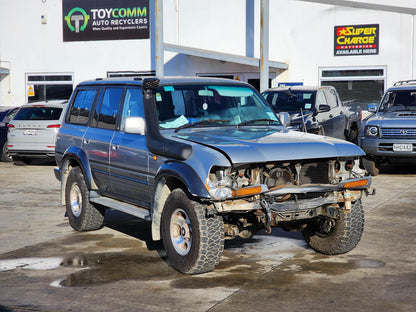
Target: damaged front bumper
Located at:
point(305, 201)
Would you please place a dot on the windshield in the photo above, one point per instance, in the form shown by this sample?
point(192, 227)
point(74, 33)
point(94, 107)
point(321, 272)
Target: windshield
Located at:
point(398, 101)
point(181, 106)
point(38, 113)
point(290, 100)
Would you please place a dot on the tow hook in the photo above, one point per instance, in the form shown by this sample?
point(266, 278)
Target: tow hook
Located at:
point(347, 200)
point(265, 206)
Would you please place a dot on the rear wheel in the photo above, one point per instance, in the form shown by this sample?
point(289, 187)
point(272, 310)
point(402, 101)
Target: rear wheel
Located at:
point(5, 156)
point(82, 215)
point(331, 236)
point(193, 241)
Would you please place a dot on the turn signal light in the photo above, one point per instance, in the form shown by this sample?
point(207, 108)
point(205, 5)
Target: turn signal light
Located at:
point(247, 191)
point(358, 183)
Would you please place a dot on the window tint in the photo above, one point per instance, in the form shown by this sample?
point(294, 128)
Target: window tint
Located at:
point(106, 117)
point(81, 107)
point(133, 105)
point(38, 113)
point(399, 100)
point(290, 100)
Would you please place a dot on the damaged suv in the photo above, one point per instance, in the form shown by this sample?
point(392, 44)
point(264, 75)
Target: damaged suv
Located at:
point(204, 160)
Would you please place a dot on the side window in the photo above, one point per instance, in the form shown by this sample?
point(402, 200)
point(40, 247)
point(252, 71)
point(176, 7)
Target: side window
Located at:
point(333, 100)
point(320, 99)
point(81, 107)
point(105, 115)
point(133, 105)
point(11, 114)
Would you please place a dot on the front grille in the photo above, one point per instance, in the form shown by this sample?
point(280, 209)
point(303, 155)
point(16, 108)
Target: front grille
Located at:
point(314, 173)
point(398, 133)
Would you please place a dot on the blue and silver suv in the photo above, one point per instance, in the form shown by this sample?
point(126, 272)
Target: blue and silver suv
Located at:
point(389, 134)
point(204, 160)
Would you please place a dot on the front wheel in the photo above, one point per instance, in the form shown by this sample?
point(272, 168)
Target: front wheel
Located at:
point(193, 241)
point(82, 215)
point(331, 236)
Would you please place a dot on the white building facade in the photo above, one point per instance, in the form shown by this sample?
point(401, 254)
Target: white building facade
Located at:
point(360, 47)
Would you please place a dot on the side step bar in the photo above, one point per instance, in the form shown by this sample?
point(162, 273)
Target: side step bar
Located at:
point(121, 206)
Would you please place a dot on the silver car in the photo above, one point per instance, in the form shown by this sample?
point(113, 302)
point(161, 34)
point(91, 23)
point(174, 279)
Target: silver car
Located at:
point(32, 132)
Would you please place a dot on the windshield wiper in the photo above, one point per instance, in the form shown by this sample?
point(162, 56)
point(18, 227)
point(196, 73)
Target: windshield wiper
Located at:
point(201, 122)
point(244, 123)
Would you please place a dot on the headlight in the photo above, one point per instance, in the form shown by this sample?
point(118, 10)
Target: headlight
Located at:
point(219, 184)
point(371, 131)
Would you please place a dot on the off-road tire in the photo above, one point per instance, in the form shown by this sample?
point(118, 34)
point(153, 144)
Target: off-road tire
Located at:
point(5, 156)
point(353, 136)
point(342, 238)
point(372, 167)
point(82, 215)
point(184, 220)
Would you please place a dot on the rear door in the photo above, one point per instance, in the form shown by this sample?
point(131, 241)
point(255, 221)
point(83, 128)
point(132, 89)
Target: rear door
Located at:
point(335, 122)
point(129, 156)
point(97, 138)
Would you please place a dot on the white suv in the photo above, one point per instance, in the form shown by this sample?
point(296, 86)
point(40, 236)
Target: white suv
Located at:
point(32, 132)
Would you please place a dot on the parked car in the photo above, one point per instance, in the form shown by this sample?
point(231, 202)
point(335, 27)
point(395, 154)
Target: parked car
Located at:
point(32, 132)
point(6, 114)
point(203, 160)
point(317, 110)
point(389, 134)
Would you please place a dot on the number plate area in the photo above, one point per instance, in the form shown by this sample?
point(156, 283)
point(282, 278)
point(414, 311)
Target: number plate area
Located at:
point(399, 147)
point(30, 132)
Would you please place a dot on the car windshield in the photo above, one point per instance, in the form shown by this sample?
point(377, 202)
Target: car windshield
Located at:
point(290, 100)
point(400, 100)
point(38, 113)
point(183, 106)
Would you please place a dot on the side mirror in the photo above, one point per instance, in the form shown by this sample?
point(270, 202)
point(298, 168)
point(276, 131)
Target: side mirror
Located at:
point(284, 118)
point(134, 125)
point(324, 108)
point(372, 108)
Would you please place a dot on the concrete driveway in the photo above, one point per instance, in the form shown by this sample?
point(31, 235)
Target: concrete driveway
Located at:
point(46, 266)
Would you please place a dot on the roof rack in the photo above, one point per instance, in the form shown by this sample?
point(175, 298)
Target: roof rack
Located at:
point(402, 82)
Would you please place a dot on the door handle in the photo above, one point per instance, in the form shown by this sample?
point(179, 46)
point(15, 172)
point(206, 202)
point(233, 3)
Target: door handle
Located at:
point(115, 147)
point(331, 116)
point(86, 141)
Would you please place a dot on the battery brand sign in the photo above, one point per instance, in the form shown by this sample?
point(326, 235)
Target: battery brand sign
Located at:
point(356, 40)
point(85, 20)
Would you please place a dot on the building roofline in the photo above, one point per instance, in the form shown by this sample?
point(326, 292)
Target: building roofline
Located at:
point(220, 56)
point(367, 5)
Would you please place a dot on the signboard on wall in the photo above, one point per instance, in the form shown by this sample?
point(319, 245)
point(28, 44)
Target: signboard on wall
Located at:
point(86, 20)
point(356, 40)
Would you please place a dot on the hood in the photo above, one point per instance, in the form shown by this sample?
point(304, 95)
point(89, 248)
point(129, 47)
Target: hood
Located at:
point(401, 119)
point(249, 144)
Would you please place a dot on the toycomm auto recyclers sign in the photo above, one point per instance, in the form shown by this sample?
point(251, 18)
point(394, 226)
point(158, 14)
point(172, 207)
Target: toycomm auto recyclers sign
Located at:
point(356, 40)
point(84, 20)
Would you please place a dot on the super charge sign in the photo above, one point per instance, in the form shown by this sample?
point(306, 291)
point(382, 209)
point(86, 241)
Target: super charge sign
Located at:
point(356, 40)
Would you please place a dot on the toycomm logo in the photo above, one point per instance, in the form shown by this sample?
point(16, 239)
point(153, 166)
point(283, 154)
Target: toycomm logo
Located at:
point(76, 18)
point(85, 20)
